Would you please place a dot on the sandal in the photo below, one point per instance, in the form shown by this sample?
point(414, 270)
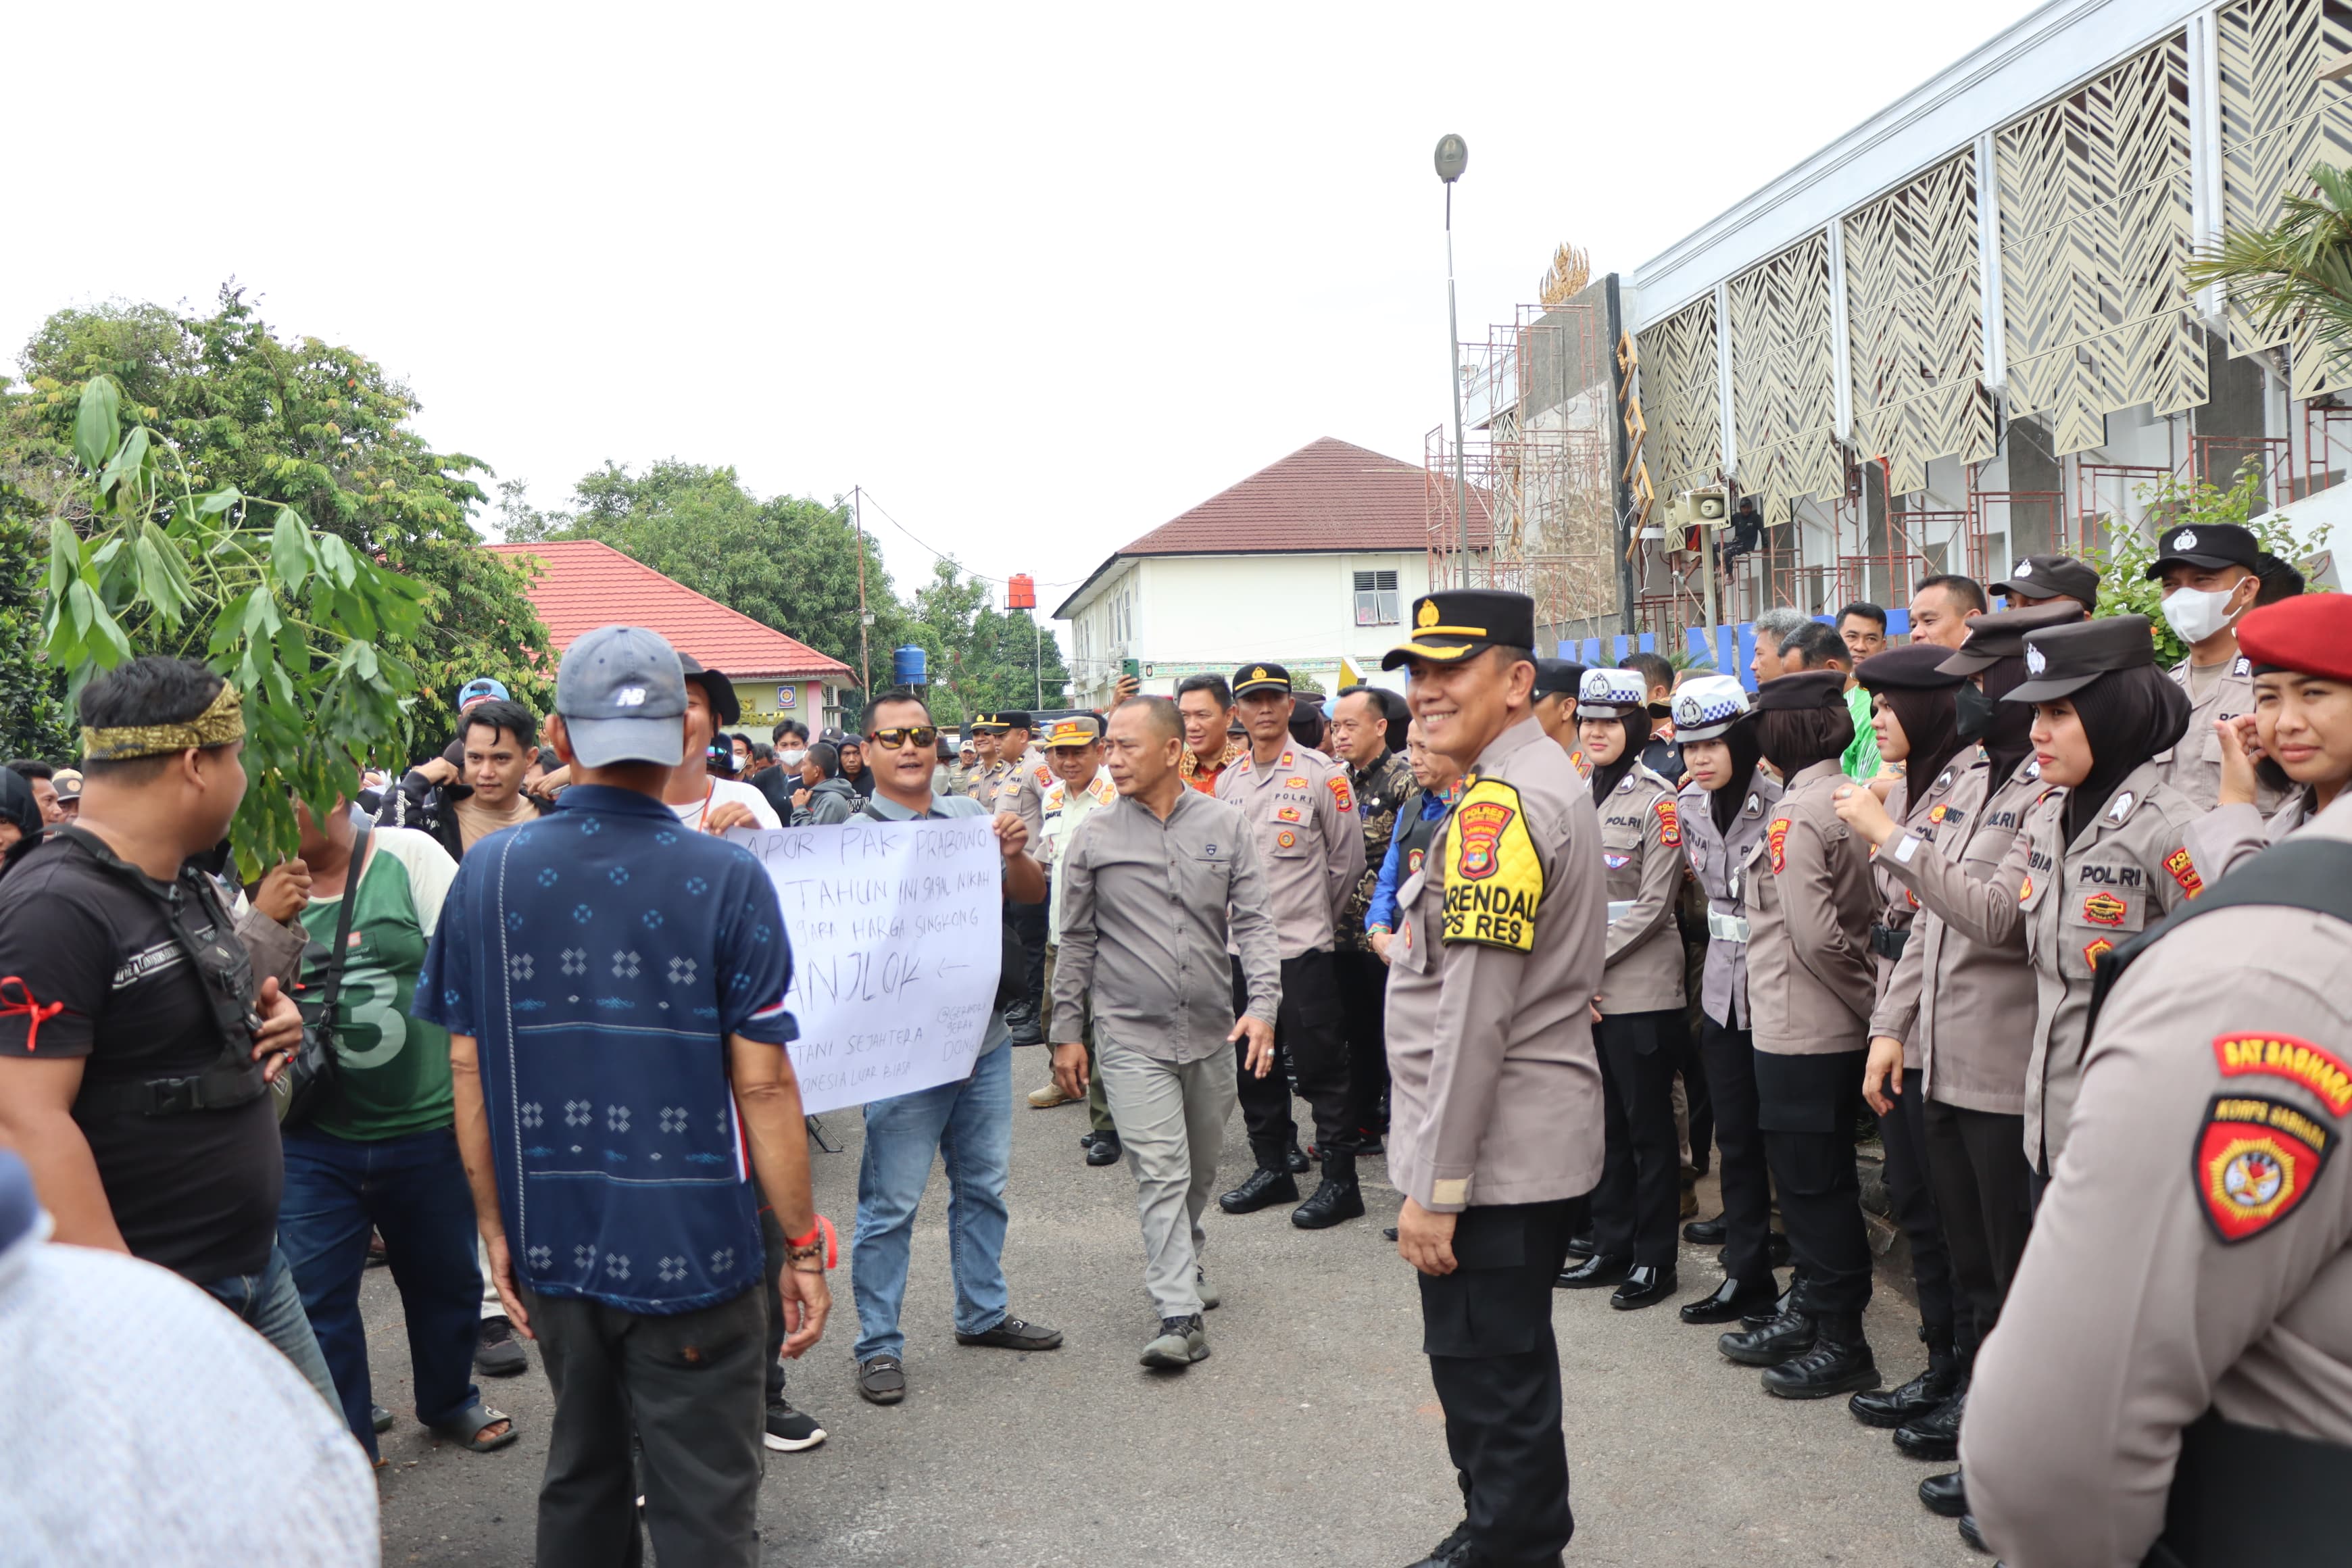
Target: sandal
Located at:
point(466, 1426)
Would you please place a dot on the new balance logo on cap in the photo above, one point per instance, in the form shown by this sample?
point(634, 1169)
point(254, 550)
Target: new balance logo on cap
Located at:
point(630, 697)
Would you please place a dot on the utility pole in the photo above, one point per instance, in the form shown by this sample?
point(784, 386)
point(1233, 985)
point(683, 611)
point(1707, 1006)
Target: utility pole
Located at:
point(1452, 157)
point(864, 618)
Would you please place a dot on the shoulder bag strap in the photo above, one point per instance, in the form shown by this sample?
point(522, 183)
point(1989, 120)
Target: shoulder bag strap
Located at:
point(334, 983)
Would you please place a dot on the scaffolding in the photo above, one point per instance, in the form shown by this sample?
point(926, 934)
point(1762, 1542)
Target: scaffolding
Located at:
point(1538, 481)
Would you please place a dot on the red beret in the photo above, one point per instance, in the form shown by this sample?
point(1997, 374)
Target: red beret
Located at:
point(2311, 635)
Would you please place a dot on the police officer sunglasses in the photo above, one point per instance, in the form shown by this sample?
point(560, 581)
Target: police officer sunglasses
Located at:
point(920, 735)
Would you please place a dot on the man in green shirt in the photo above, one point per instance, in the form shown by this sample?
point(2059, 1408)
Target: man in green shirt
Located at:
point(1862, 627)
point(381, 1151)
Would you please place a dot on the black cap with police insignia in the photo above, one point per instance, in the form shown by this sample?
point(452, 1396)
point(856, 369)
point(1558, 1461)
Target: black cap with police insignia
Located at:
point(988, 724)
point(2062, 660)
point(2208, 545)
point(1252, 677)
point(1915, 667)
point(1452, 625)
point(1805, 688)
point(2042, 577)
point(1558, 677)
point(1992, 638)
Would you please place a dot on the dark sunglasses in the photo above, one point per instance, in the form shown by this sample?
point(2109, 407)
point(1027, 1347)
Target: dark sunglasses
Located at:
point(920, 735)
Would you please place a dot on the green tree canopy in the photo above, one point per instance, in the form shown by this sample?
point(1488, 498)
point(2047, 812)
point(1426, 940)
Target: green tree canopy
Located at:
point(788, 562)
point(983, 658)
point(317, 427)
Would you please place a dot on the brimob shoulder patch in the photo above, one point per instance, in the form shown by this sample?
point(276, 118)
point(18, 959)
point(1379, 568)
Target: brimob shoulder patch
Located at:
point(1669, 822)
point(2315, 1068)
point(1339, 792)
point(2256, 1159)
point(1493, 878)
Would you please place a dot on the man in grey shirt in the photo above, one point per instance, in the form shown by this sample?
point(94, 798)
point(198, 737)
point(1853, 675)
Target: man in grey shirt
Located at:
point(1151, 887)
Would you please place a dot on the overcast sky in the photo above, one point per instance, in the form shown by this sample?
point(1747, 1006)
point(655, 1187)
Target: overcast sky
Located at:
point(1037, 279)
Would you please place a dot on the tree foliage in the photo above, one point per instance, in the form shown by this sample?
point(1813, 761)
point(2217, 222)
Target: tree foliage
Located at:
point(321, 429)
point(788, 562)
point(34, 718)
point(2296, 274)
point(142, 561)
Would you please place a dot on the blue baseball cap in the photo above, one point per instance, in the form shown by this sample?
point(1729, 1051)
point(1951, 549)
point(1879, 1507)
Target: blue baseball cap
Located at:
point(481, 689)
point(622, 694)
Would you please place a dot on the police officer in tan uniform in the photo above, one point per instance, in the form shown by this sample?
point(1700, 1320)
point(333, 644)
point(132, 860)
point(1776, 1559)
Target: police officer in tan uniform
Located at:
point(1970, 1007)
point(2210, 573)
point(2209, 1421)
point(1640, 1006)
point(990, 774)
point(1298, 804)
point(1496, 1110)
point(1018, 784)
point(2098, 859)
point(1725, 810)
point(1811, 985)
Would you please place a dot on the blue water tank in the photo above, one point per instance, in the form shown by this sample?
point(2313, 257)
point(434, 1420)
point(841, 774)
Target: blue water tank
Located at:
point(909, 665)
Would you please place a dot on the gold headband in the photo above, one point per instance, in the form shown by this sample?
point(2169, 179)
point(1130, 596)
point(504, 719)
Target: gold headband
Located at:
point(221, 721)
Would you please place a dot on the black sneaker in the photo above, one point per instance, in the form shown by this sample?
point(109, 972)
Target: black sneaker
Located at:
point(497, 1353)
point(1014, 1334)
point(790, 1430)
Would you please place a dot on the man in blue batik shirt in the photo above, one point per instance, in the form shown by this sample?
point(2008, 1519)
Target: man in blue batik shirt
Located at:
point(614, 987)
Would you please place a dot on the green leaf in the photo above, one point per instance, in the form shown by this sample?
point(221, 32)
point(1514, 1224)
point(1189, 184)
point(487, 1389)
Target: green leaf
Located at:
point(65, 555)
point(154, 583)
point(97, 423)
point(289, 551)
point(82, 606)
point(168, 554)
point(219, 501)
point(293, 649)
point(229, 625)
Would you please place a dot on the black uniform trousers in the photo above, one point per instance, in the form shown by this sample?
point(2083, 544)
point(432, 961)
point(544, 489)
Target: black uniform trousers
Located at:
point(1730, 1058)
point(1026, 1016)
point(1486, 1330)
point(1306, 1028)
point(1364, 1004)
point(1903, 1134)
point(1698, 1098)
point(1983, 1192)
point(1639, 1199)
point(1807, 1106)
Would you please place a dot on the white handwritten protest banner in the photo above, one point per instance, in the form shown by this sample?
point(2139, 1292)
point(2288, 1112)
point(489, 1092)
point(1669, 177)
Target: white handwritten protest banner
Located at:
point(896, 946)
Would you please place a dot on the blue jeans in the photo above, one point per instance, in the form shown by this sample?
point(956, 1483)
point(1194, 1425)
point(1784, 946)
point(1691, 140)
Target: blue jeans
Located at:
point(413, 1191)
point(969, 1125)
point(270, 1305)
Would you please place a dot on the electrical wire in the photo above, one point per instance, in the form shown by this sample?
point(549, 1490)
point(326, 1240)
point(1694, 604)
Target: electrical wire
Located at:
point(941, 555)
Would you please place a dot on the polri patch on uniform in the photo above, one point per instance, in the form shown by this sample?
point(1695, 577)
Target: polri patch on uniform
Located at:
point(1296, 782)
point(1669, 822)
point(1775, 840)
point(2103, 908)
point(1290, 813)
point(1494, 879)
point(1616, 862)
point(2256, 1159)
point(2183, 866)
point(2315, 1068)
point(2025, 888)
point(2097, 949)
point(1412, 860)
point(1285, 840)
point(1939, 813)
point(1339, 793)
point(1911, 898)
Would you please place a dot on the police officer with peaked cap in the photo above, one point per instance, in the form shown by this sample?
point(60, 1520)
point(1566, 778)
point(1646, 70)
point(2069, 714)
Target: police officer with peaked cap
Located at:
point(1302, 811)
point(1496, 1118)
point(1723, 809)
point(2212, 572)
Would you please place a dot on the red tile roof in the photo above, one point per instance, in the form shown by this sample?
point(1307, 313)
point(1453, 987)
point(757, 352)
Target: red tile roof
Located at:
point(584, 584)
point(1326, 496)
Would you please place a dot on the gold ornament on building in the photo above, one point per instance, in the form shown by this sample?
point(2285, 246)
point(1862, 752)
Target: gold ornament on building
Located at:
point(1570, 271)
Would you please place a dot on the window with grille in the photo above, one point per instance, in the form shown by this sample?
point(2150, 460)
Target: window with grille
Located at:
point(1376, 599)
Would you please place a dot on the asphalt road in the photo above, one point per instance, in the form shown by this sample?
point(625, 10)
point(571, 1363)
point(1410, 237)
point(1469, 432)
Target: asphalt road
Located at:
point(1310, 1437)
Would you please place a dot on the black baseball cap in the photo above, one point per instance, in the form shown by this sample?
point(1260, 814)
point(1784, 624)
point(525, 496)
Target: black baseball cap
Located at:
point(2039, 577)
point(2210, 545)
point(716, 686)
point(1992, 638)
point(1452, 625)
point(2062, 660)
point(1252, 677)
point(1559, 678)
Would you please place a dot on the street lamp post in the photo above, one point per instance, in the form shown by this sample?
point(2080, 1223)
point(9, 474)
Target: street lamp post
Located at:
point(1452, 157)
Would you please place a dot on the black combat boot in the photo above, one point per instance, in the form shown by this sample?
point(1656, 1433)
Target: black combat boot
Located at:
point(1264, 1189)
point(1839, 1361)
point(1791, 1334)
point(1946, 1495)
point(1923, 1395)
point(1337, 1199)
point(1935, 1436)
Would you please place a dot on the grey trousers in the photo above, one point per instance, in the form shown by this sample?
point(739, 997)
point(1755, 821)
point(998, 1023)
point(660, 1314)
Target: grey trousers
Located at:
point(1172, 1122)
point(693, 1387)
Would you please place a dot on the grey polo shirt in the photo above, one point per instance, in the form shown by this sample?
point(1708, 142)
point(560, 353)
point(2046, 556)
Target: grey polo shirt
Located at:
point(1146, 907)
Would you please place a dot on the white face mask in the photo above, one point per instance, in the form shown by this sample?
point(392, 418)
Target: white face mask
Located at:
point(791, 759)
point(2195, 615)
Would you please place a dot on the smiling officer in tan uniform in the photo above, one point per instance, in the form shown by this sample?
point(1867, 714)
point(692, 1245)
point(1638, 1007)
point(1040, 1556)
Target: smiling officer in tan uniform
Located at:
point(1495, 1122)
